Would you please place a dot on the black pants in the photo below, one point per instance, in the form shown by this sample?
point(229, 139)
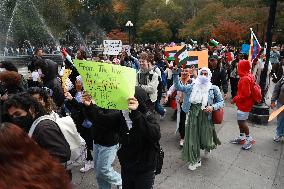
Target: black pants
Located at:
point(181, 128)
point(234, 86)
point(137, 181)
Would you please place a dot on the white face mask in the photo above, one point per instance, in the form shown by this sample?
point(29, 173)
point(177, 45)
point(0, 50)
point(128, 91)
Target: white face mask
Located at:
point(2, 69)
point(203, 79)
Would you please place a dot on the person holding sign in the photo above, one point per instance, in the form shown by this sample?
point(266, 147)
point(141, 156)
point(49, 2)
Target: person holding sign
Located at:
point(200, 99)
point(277, 100)
point(139, 134)
point(106, 140)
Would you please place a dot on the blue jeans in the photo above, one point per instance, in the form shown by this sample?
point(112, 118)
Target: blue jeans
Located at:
point(103, 159)
point(158, 107)
point(280, 122)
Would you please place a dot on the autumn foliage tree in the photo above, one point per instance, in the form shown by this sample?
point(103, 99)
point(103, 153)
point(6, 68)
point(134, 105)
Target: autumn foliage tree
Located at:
point(229, 31)
point(155, 31)
point(116, 34)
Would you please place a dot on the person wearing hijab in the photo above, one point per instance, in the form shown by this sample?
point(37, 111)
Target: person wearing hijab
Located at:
point(200, 99)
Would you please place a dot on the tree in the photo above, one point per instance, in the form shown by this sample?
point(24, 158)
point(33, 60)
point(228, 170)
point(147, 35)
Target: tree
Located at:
point(154, 31)
point(212, 18)
point(200, 27)
point(118, 35)
point(132, 13)
point(229, 32)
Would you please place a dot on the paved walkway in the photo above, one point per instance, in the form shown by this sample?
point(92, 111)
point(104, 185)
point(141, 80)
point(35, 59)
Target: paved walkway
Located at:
point(228, 166)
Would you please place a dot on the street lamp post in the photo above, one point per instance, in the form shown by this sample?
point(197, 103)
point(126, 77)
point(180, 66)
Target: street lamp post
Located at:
point(260, 112)
point(129, 24)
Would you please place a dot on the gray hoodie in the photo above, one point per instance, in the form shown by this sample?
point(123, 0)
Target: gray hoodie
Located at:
point(278, 92)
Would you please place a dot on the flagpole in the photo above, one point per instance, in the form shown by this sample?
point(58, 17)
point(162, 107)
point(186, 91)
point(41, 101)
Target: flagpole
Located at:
point(260, 112)
point(254, 36)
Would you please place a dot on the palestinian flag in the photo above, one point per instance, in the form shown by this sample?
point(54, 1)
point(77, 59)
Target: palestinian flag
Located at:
point(213, 43)
point(170, 55)
point(182, 56)
point(192, 61)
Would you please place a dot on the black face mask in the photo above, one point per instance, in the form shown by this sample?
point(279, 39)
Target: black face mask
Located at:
point(25, 122)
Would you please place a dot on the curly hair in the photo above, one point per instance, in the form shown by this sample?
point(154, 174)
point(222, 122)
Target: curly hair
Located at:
point(25, 102)
point(9, 66)
point(25, 165)
point(49, 106)
point(11, 79)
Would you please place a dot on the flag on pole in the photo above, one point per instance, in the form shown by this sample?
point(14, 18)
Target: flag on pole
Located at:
point(213, 43)
point(182, 56)
point(254, 47)
point(192, 61)
point(170, 55)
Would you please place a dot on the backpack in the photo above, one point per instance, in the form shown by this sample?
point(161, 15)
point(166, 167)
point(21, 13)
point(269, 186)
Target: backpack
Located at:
point(256, 92)
point(163, 79)
point(68, 128)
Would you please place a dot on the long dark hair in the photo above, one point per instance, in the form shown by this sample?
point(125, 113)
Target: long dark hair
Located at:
point(49, 104)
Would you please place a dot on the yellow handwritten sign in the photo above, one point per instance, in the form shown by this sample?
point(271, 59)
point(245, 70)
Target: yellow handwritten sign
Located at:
point(110, 85)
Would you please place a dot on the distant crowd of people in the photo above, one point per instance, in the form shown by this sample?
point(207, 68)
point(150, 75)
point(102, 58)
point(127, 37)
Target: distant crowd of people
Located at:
point(35, 150)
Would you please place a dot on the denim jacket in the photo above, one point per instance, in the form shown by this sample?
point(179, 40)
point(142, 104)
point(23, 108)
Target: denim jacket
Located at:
point(215, 98)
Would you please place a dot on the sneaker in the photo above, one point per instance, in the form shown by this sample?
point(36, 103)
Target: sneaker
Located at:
point(277, 138)
point(248, 144)
point(207, 153)
point(193, 166)
point(88, 165)
point(239, 140)
point(181, 142)
point(162, 117)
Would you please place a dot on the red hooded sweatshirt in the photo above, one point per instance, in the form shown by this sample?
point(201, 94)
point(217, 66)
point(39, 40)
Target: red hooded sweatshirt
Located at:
point(244, 99)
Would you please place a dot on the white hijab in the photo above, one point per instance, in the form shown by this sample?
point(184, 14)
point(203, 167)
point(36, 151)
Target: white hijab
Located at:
point(201, 87)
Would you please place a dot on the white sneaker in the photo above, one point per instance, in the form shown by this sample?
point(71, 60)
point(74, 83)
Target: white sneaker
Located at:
point(88, 165)
point(181, 142)
point(277, 138)
point(207, 153)
point(193, 166)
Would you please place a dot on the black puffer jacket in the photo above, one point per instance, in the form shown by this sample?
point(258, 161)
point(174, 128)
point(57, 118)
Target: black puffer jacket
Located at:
point(138, 149)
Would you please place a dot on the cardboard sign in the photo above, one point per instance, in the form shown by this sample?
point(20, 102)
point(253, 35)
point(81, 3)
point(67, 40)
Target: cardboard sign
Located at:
point(275, 113)
point(202, 57)
point(110, 85)
point(175, 48)
point(112, 47)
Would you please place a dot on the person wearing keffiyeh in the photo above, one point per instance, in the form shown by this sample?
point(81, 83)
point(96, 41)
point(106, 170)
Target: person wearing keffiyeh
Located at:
point(200, 99)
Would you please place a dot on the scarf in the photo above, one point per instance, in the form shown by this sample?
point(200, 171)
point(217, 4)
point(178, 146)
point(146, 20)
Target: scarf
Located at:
point(201, 87)
point(143, 77)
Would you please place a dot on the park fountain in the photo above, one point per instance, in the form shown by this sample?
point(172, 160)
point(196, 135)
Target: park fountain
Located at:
point(25, 21)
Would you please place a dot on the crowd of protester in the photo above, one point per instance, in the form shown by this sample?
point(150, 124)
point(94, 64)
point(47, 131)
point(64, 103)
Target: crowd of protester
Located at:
point(28, 105)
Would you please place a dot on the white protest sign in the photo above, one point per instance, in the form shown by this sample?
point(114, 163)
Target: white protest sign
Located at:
point(112, 47)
